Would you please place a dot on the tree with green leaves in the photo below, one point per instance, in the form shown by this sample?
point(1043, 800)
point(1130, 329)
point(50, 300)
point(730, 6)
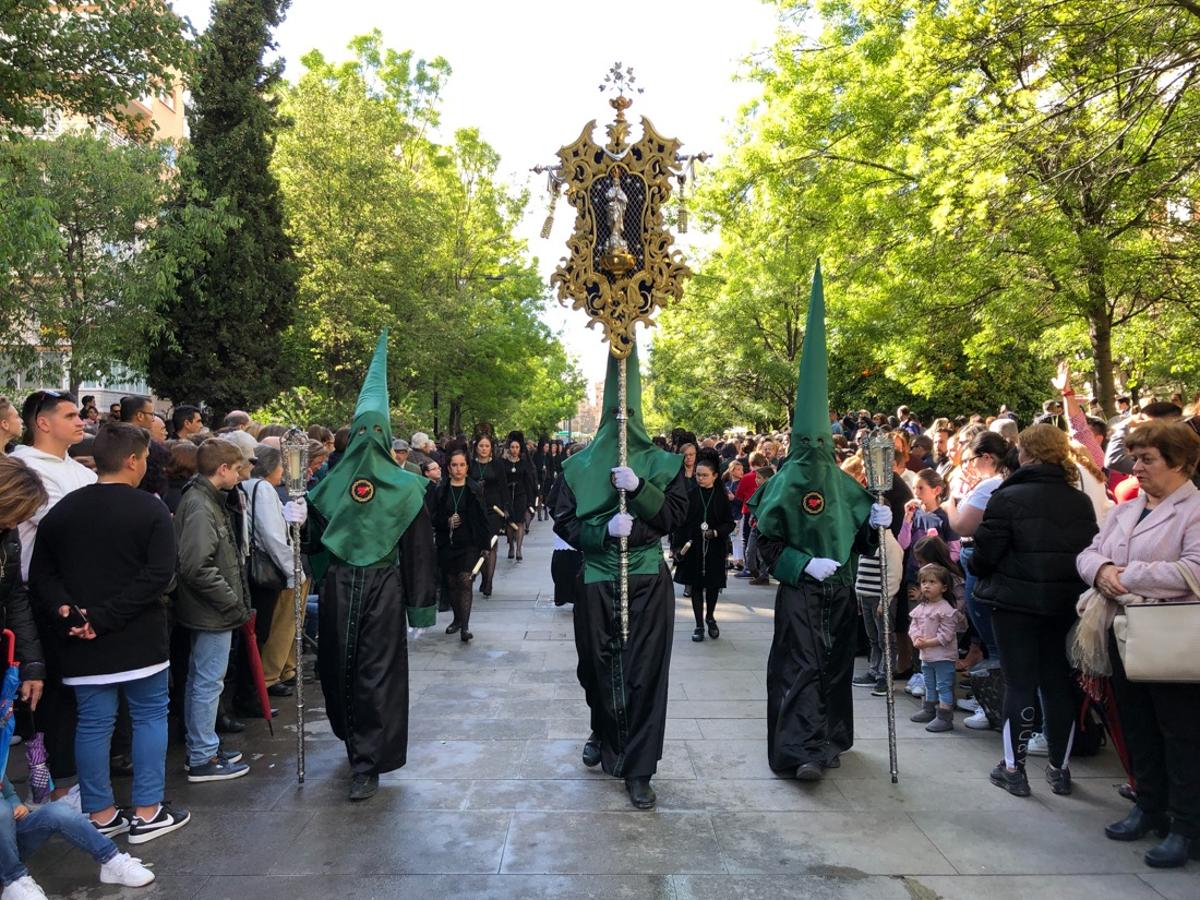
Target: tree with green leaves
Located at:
point(990, 187)
point(87, 300)
point(86, 59)
point(221, 340)
point(428, 249)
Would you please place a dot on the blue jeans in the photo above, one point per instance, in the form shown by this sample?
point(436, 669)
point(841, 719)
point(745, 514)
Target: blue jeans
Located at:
point(981, 615)
point(206, 678)
point(939, 681)
point(20, 840)
point(97, 703)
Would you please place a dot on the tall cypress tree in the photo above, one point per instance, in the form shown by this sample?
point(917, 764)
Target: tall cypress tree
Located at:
point(221, 344)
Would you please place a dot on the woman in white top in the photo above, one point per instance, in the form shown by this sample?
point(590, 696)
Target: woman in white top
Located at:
point(985, 464)
point(268, 530)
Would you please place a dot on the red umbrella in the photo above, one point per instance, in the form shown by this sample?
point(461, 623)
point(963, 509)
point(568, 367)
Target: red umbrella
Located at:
point(254, 661)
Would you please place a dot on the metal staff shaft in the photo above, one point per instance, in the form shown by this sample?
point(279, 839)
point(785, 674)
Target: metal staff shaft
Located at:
point(622, 456)
point(298, 595)
point(885, 607)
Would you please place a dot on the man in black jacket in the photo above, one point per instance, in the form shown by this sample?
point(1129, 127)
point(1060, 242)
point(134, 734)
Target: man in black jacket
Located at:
point(103, 563)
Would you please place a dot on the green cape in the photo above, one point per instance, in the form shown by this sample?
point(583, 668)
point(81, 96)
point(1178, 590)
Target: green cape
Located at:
point(811, 504)
point(367, 499)
point(588, 475)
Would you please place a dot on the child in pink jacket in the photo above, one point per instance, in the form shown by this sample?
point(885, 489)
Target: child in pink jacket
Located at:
point(933, 628)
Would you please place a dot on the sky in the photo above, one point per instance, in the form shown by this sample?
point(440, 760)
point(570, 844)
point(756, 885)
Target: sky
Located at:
point(526, 74)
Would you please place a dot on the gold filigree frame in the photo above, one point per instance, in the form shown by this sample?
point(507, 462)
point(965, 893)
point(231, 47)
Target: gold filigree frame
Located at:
point(618, 301)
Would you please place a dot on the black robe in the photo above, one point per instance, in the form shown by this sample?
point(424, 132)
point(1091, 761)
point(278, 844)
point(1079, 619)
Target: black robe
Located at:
point(522, 490)
point(362, 657)
point(626, 687)
point(810, 707)
point(490, 476)
point(704, 563)
point(460, 549)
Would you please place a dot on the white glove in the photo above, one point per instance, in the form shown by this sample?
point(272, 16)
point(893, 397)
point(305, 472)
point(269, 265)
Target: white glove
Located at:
point(821, 568)
point(881, 516)
point(625, 479)
point(295, 512)
point(620, 525)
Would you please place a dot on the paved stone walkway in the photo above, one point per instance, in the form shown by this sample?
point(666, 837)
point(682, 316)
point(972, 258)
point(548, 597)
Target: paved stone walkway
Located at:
point(494, 802)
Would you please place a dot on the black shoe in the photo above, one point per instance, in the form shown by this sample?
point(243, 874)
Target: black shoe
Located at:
point(902, 676)
point(519, 557)
point(280, 690)
point(641, 795)
point(252, 712)
point(118, 824)
point(465, 636)
point(290, 682)
point(363, 787)
point(229, 725)
point(1059, 780)
point(1173, 852)
point(217, 769)
point(121, 765)
point(809, 771)
point(835, 762)
point(1126, 790)
point(453, 628)
point(698, 634)
point(687, 592)
point(483, 593)
point(713, 631)
point(1016, 783)
point(1137, 825)
point(880, 688)
point(164, 822)
point(866, 679)
point(591, 751)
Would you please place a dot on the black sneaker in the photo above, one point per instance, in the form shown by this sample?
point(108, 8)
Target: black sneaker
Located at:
point(880, 689)
point(1014, 782)
point(118, 824)
point(864, 680)
point(164, 822)
point(1059, 780)
point(228, 756)
point(217, 769)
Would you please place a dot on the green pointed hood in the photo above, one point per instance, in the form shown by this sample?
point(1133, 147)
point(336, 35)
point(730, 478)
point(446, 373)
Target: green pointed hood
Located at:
point(587, 472)
point(810, 420)
point(367, 499)
point(811, 504)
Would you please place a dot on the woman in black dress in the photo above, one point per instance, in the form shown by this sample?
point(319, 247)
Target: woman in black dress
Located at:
point(541, 462)
point(522, 493)
point(488, 473)
point(700, 546)
point(461, 529)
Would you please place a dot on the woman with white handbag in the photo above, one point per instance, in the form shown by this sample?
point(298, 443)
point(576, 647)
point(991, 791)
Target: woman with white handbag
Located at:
point(1142, 623)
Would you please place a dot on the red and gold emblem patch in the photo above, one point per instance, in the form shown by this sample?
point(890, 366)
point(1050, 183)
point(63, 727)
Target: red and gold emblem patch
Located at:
point(362, 490)
point(813, 503)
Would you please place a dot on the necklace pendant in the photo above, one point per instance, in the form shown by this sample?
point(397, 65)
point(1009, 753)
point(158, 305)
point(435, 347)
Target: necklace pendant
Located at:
point(704, 526)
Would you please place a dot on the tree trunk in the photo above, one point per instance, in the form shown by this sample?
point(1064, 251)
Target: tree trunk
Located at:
point(1101, 334)
point(454, 420)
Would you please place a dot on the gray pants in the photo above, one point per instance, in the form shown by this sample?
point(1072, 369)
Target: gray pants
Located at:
point(868, 604)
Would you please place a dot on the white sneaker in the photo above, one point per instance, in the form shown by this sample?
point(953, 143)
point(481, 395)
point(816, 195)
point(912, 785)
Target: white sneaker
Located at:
point(916, 685)
point(978, 720)
point(966, 704)
point(1037, 745)
point(125, 870)
point(24, 889)
point(72, 799)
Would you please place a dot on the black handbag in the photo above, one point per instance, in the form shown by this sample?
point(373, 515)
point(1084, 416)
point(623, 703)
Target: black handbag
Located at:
point(263, 572)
